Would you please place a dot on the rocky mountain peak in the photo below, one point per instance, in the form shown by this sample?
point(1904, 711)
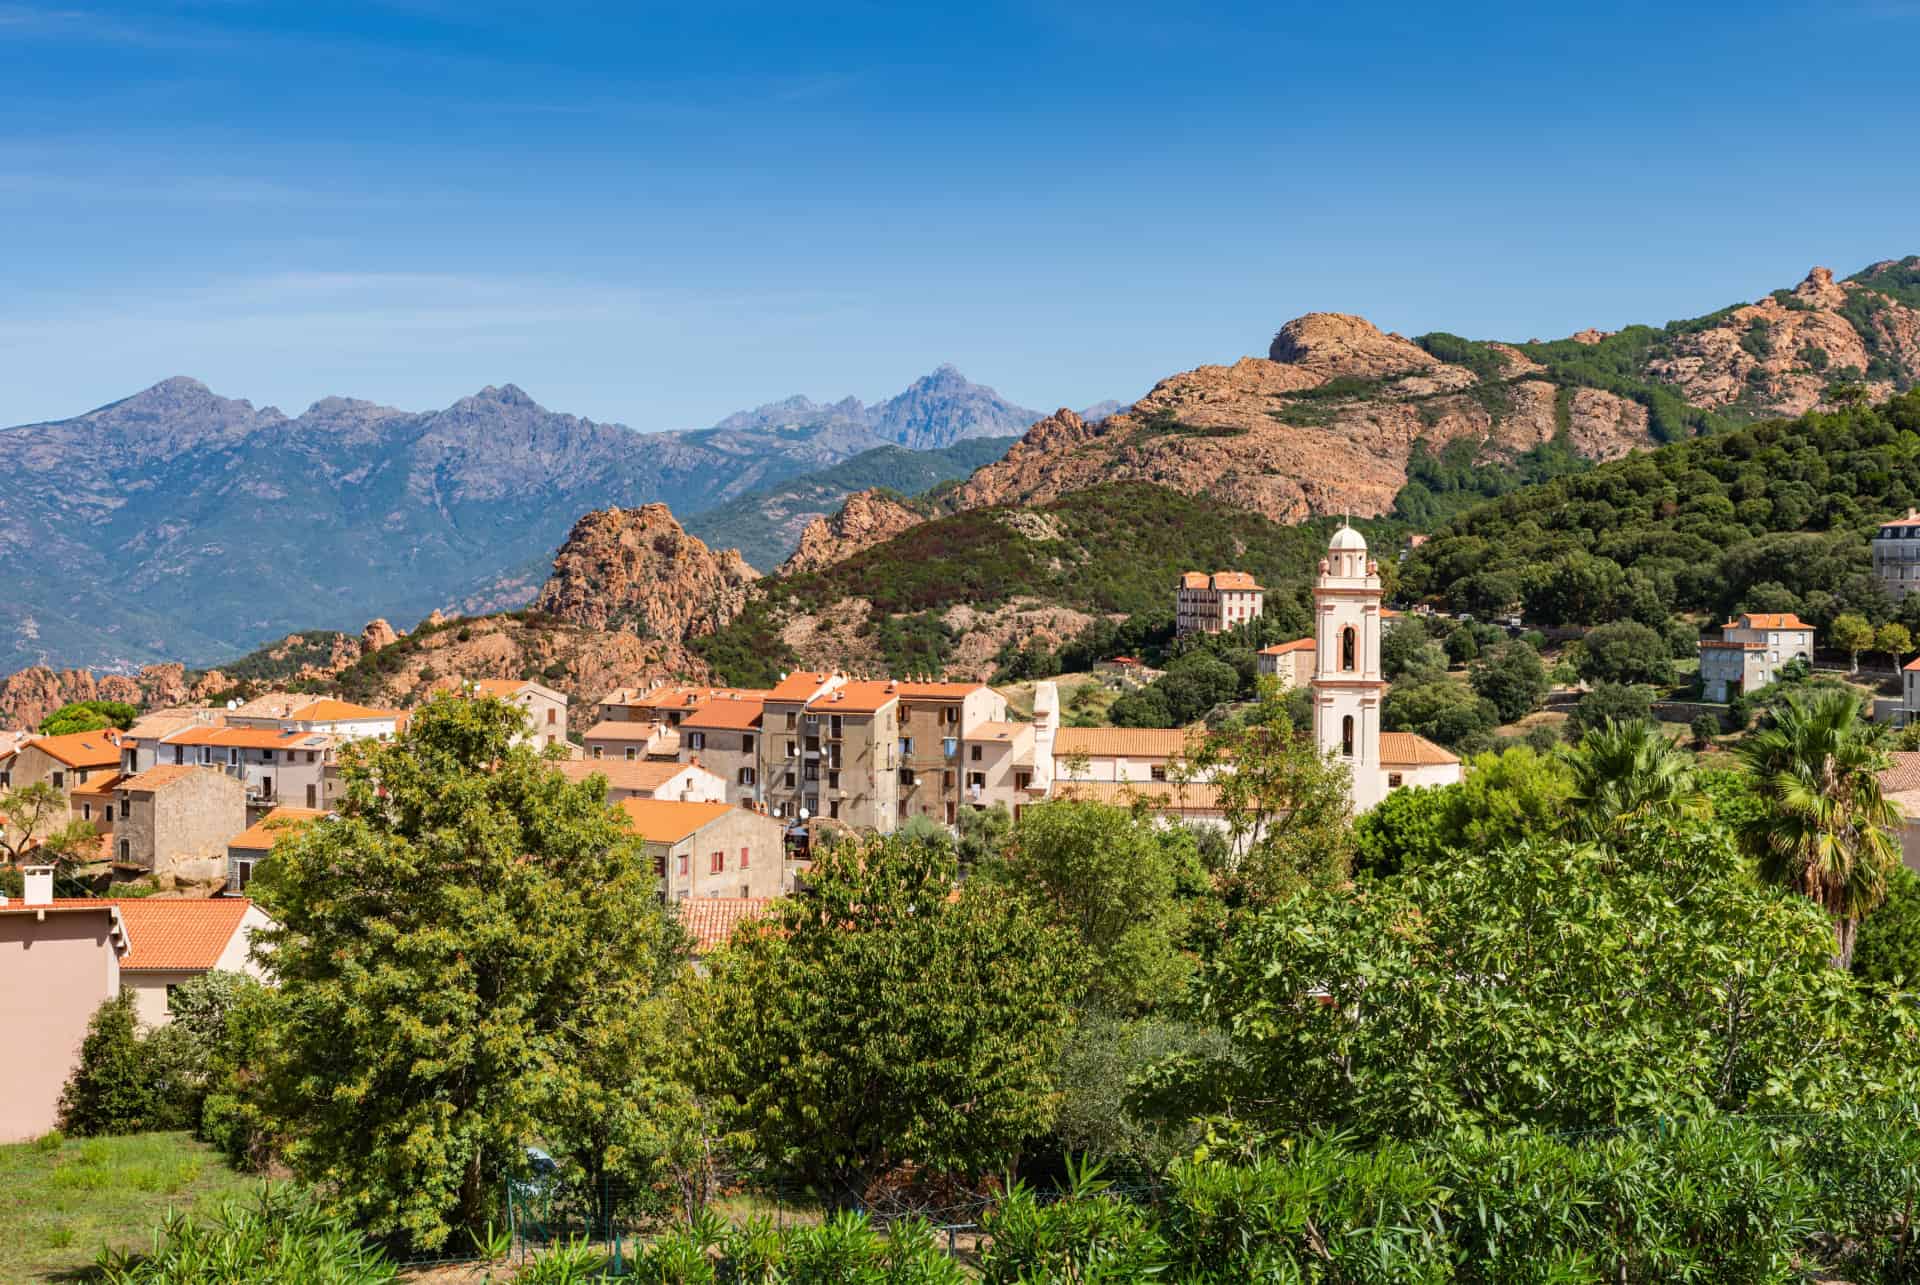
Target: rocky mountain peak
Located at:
point(639, 571)
point(864, 520)
point(1818, 289)
point(1343, 344)
point(505, 395)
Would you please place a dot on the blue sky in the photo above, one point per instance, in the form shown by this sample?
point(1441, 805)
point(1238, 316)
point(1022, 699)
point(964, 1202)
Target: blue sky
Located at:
point(659, 214)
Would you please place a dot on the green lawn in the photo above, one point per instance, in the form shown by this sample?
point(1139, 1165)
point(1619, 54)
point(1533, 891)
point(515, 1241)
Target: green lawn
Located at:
point(69, 1200)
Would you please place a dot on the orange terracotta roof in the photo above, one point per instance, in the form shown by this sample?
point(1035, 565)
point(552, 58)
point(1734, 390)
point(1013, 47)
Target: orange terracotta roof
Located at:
point(1904, 774)
point(676, 696)
point(1409, 749)
point(938, 691)
point(800, 686)
point(1195, 796)
point(1767, 620)
point(165, 774)
point(252, 738)
point(1127, 742)
point(1912, 664)
point(1193, 580)
point(643, 775)
point(1238, 580)
point(726, 714)
point(1286, 648)
point(1912, 519)
point(613, 729)
point(669, 821)
point(169, 934)
point(336, 711)
point(504, 688)
point(996, 731)
point(710, 921)
point(104, 785)
point(81, 749)
point(868, 697)
point(264, 833)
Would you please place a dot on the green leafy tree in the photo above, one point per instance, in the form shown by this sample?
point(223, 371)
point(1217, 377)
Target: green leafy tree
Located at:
point(1825, 831)
point(983, 834)
point(1286, 807)
point(1506, 797)
point(113, 1089)
point(1410, 827)
point(1611, 702)
point(37, 826)
point(1543, 984)
point(1852, 634)
point(1704, 728)
point(1121, 882)
point(1894, 639)
point(885, 1019)
point(1461, 646)
point(1401, 645)
point(1513, 678)
point(88, 716)
point(1887, 948)
point(1625, 774)
point(1626, 652)
point(1442, 710)
point(446, 951)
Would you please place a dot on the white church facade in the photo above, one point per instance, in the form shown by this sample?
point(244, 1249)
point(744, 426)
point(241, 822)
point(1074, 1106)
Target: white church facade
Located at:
point(1348, 686)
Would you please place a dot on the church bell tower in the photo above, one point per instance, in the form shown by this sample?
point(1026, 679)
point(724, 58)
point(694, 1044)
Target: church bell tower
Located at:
point(1347, 683)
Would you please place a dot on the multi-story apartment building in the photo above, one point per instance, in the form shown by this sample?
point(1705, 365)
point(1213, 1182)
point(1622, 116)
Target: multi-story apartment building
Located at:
point(857, 780)
point(177, 818)
point(723, 736)
point(795, 758)
point(296, 768)
point(1209, 604)
point(934, 719)
point(1749, 652)
point(1896, 555)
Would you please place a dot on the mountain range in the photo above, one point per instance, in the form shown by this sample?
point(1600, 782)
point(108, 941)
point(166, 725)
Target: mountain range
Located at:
point(181, 525)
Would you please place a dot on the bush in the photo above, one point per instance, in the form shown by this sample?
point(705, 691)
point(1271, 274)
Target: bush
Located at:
point(1705, 728)
point(1623, 703)
point(113, 1089)
point(282, 1238)
point(1888, 945)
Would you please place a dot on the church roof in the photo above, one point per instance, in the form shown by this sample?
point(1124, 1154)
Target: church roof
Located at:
point(1347, 540)
point(1407, 749)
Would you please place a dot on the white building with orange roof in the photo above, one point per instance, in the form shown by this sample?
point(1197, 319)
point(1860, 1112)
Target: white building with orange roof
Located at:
point(649, 779)
point(1211, 604)
point(1122, 754)
point(710, 849)
point(1896, 555)
point(1750, 651)
point(546, 708)
point(277, 766)
point(619, 739)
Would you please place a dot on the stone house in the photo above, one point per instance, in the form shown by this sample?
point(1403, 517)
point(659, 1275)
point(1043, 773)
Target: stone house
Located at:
point(177, 819)
point(934, 723)
point(723, 736)
point(631, 741)
point(64, 762)
point(1749, 652)
point(546, 708)
point(1211, 604)
point(710, 849)
point(59, 961)
point(1289, 662)
point(649, 779)
point(796, 757)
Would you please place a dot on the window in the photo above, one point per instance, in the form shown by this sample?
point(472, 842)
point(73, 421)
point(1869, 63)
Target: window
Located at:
point(551, 719)
point(1346, 736)
point(906, 777)
point(790, 778)
point(976, 780)
point(1158, 771)
point(59, 780)
point(946, 779)
point(233, 758)
point(833, 726)
point(950, 814)
point(746, 743)
point(833, 780)
point(126, 806)
point(266, 756)
point(746, 858)
point(686, 860)
point(266, 787)
point(86, 811)
point(696, 740)
point(717, 864)
point(833, 808)
point(974, 753)
point(951, 716)
point(660, 866)
point(310, 756)
point(793, 749)
point(1021, 780)
point(632, 753)
point(1393, 780)
point(179, 754)
point(126, 852)
point(242, 876)
point(793, 721)
point(906, 746)
point(311, 799)
point(746, 776)
point(596, 751)
point(1347, 645)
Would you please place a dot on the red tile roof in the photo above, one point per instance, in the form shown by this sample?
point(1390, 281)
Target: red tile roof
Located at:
point(1127, 742)
point(1409, 749)
point(642, 775)
point(799, 686)
point(711, 921)
point(159, 778)
point(669, 821)
point(1285, 648)
point(252, 738)
point(613, 729)
point(867, 697)
point(1194, 796)
point(81, 749)
point(1234, 580)
point(335, 711)
point(938, 691)
point(726, 713)
point(1767, 620)
point(169, 934)
point(1904, 774)
point(268, 830)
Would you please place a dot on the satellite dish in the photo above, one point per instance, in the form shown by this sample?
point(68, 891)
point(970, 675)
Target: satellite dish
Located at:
point(804, 814)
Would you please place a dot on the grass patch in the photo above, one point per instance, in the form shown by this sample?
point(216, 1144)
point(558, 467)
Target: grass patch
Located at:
point(71, 1198)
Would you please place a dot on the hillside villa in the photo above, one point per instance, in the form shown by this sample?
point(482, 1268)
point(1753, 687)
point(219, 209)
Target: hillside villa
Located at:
point(1749, 652)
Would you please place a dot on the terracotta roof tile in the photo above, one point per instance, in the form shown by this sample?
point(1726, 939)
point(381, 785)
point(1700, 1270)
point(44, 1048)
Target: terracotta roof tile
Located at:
point(268, 830)
point(641, 775)
point(866, 697)
point(711, 921)
point(938, 691)
point(1194, 796)
point(165, 774)
point(1904, 774)
point(669, 821)
point(81, 749)
point(613, 729)
point(1237, 580)
point(169, 934)
point(104, 785)
point(726, 713)
point(1767, 620)
point(1287, 648)
point(1409, 749)
point(800, 686)
point(337, 711)
point(1126, 742)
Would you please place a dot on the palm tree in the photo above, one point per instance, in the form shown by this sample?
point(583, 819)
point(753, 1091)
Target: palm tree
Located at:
point(1630, 771)
point(1825, 830)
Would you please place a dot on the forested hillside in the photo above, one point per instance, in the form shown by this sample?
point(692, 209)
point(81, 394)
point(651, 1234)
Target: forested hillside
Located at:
point(1774, 516)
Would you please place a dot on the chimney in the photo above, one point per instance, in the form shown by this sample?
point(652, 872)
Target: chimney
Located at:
point(39, 886)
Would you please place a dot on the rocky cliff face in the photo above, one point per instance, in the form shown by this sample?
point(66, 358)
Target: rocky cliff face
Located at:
point(638, 571)
point(864, 520)
point(29, 695)
point(1326, 423)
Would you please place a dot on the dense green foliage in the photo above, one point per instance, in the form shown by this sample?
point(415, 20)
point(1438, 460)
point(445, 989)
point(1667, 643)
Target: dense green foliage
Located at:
point(88, 716)
point(1439, 485)
point(281, 1237)
point(1774, 516)
point(760, 525)
point(1112, 549)
point(446, 951)
point(112, 1088)
point(1887, 948)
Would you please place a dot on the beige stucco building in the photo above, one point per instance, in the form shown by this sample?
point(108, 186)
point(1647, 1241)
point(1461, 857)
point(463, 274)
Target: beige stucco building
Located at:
point(546, 708)
point(723, 736)
point(649, 779)
point(710, 849)
point(64, 762)
point(1121, 753)
point(1289, 662)
point(176, 939)
point(1749, 652)
point(1211, 604)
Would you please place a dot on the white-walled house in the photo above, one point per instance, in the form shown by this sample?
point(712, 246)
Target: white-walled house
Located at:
point(1750, 651)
